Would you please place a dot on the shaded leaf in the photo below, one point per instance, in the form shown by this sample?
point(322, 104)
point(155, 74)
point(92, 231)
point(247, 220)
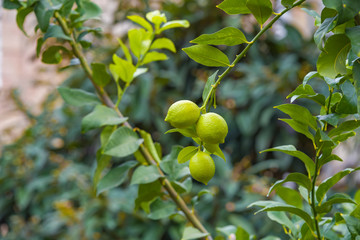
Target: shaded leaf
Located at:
point(153, 57)
point(306, 91)
point(53, 55)
point(56, 32)
point(356, 76)
point(100, 75)
point(102, 161)
point(20, 18)
point(187, 153)
point(170, 165)
point(192, 233)
point(147, 193)
point(207, 55)
point(78, 97)
point(145, 174)
point(228, 36)
point(346, 126)
point(160, 209)
point(261, 9)
point(327, 25)
point(163, 43)
point(354, 35)
point(334, 199)
point(299, 127)
point(348, 103)
point(298, 178)
point(210, 81)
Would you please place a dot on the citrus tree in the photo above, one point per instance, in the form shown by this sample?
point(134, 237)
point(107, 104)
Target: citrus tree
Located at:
point(305, 212)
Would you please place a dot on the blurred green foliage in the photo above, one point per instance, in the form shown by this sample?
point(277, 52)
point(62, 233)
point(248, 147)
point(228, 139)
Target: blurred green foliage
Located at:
point(46, 176)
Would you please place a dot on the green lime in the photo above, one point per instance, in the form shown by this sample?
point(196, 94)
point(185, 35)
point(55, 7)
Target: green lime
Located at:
point(212, 128)
point(183, 114)
point(202, 167)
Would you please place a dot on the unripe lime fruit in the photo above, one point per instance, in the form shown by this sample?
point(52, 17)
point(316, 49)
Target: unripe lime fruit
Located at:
point(182, 114)
point(202, 167)
point(212, 128)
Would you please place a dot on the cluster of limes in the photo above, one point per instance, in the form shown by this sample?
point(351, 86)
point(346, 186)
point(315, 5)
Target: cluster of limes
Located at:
point(210, 127)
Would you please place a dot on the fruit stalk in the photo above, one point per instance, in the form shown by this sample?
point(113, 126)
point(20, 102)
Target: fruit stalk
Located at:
point(105, 99)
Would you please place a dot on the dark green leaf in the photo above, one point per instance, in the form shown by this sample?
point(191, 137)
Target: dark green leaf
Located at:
point(328, 158)
point(356, 75)
point(147, 193)
point(56, 32)
point(334, 199)
point(53, 55)
point(228, 36)
point(78, 97)
point(299, 113)
point(353, 224)
point(324, 28)
point(89, 10)
point(261, 9)
point(20, 17)
point(122, 143)
point(348, 103)
point(298, 178)
point(346, 9)
point(66, 8)
point(145, 174)
point(115, 177)
point(186, 154)
point(299, 127)
point(331, 181)
point(290, 196)
point(291, 150)
point(101, 116)
point(306, 91)
point(342, 137)
point(102, 161)
point(43, 13)
point(207, 55)
point(192, 233)
point(11, 4)
point(331, 61)
point(346, 126)
point(208, 85)
point(354, 35)
point(160, 209)
point(100, 75)
point(39, 44)
point(287, 3)
point(234, 7)
point(170, 165)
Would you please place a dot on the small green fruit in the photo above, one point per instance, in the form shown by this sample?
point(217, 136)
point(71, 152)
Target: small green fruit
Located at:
point(202, 167)
point(183, 114)
point(212, 128)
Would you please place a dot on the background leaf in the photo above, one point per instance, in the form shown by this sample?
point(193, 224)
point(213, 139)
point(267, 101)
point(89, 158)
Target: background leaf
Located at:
point(78, 97)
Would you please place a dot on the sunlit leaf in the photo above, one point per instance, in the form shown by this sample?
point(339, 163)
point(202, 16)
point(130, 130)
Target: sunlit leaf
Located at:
point(207, 55)
point(228, 36)
point(234, 7)
point(261, 9)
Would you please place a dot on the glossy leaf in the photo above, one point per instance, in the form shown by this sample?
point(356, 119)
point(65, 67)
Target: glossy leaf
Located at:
point(348, 103)
point(210, 81)
point(187, 153)
point(309, 76)
point(101, 116)
point(122, 143)
point(174, 24)
point(160, 209)
point(78, 97)
point(153, 57)
point(56, 32)
point(192, 233)
point(307, 92)
point(346, 9)
point(115, 177)
point(325, 27)
point(141, 21)
point(331, 61)
point(145, 174)
point(20, 18)
point(261, 9)
point(299, 113)
point(291, 150)
point(234, 7)
point(228, 36)
point(207, 55)
point(163, 43)
point(354, 35)
point(331, 181)
point(298, 178)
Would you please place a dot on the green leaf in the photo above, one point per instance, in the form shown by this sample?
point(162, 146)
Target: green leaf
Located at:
point(115, 177)
point(342, 137)
point(192, 233)
point(56, 32)
point(353, 224)
point(214, 149)
point(334, 199)
point(331, 181)
point(187, 132)
point(331, 61)
point(140, 71)
point(152, 57)
point(102, 161)
point(125, 50)
point(139, 41)
point(78, 97)
point(43, 13)
point(208, 85)
point(291, 150)
point(53, 55)
point(354, 36)
point(325, 27)
point(39, 44)
point(290, 196)
point(163, 43)
point(186, 154)
point(332, 118)
point(242, 234)
point(261, 9)
point(234, 7)
point(283, 219)
point(147, 193)
point(149, 144)
point(348, 102)
point(170, 165)
point(156, 17)
point(299, 113)
point(299, 127)
point(11, 4)
point(306, 91)
point(122, 143)
point(145, 174)
point(228, 36)
point(298, 178)
point(276, 206)
point(328, 158)
point(311, 75)
point(287, 3)
point(89, 10)
point(141, 21)
point(346, 126)
point(66, 8)
point(227, 230)
point(160, 209)
point(207, 55)
point(100, 75)
point(20, 17)
point(356, 76)
point(101, 116)
point(346, 9)
point(174, 24)
point(122, 69)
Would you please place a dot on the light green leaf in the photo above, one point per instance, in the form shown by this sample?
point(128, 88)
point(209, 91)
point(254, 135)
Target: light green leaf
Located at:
point(122, 143)
point(214, 149)
point(186, 154)
point(56, 32)
point(122, 69)
point(354, 36)
point(100, 75)
point(356, 76)
point(141, 21)
point(187, 132)
point(149, 144)
point(291, 150)
point(145, 174)
point(125, 50)
point(174, 24)
point(192, 233)
point(78, 97)
point(228, 36)
point(163, 43)
point(331, 181)
point(140, 71)
point(208, 85)
point(311, 75)
point(20, 17)
point(156, 17)
point(290, 196)
point(53, 55)
point(160, 209)
point(353, 225)
point(299, 113)
point(306, 91)
point(234, 7)
point(227, 230)
point(115, 177)
point(152, 57)
point(242, 234)
point(139, 41)
point(207, 55)
point(101, 116)
point(261, 9)
point(348, 102)
point(331, 61)
point(298, 178)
